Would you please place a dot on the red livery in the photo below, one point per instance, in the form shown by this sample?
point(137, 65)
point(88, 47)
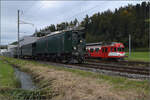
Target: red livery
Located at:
point(105, 50)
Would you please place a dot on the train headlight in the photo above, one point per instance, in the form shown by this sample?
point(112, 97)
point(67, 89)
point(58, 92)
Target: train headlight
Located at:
point(74, 48)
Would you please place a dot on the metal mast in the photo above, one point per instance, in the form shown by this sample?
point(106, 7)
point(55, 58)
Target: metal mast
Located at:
point(18, 33)
point(129, 44)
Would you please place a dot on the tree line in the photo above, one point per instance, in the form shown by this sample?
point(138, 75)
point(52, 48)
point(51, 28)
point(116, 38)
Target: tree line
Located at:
point(110, 26)
point(53, 28)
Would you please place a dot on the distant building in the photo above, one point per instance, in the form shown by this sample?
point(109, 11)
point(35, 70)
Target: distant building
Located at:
point(12, 50)
point(10, 47)
point(4, 52)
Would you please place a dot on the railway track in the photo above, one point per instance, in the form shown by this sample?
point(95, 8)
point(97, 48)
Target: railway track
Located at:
point(118, 68)
point(109, 69)
point(123, 62)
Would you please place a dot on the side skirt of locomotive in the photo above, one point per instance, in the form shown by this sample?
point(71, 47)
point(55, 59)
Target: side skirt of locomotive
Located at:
point(63, 58)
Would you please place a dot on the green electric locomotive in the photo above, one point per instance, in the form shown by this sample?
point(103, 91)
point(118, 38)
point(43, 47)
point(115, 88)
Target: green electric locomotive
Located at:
point(64, 46)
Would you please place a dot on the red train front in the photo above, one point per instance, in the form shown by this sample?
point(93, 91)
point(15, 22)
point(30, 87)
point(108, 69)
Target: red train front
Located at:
point(105, 50)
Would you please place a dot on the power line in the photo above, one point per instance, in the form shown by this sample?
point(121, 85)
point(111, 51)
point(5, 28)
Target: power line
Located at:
point(23, 22)
point(83, 12)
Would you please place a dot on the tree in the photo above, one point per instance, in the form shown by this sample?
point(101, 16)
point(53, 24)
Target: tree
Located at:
point(114, 26)
point(75, 22)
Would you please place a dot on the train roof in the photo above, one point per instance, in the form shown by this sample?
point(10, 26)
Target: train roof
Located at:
point(92, 44)
point(101, 43)
point(27, 40)
point(53, 33)
point(59, 32)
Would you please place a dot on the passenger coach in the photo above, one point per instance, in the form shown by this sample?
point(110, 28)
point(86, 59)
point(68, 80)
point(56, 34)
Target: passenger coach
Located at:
point(112, 50)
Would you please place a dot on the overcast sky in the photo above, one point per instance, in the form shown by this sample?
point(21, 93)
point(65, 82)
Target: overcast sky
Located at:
point(43, 13)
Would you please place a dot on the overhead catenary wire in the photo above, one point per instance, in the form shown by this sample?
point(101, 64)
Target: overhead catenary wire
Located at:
point(77, 14)
point(66, 19)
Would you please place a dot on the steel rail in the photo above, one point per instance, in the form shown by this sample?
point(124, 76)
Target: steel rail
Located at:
point(129, 63)
point(134, 70)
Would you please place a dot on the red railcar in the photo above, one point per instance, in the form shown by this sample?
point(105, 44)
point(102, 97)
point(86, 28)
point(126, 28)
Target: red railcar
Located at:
point(105, 50)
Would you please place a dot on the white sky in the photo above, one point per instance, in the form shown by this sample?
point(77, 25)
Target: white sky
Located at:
point(43, 13)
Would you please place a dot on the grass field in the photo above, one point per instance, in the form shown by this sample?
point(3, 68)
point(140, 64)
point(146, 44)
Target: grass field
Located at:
point(139, 89)
point(138, 56)
point(7, 77)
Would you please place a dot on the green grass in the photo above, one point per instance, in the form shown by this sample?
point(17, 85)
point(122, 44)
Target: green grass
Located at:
point(138, 56)
point(7, 77)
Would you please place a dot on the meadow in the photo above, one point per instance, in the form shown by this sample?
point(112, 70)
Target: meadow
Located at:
point(7, 76)
point(77, 82)
point(138, 56)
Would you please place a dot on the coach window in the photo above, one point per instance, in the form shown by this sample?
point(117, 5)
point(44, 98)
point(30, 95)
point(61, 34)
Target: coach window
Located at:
point(115, 49)
point(122, 49)
point(91, 50)
point(97, 49)
point(102, 49)
point(118, 49)
point(105, 49)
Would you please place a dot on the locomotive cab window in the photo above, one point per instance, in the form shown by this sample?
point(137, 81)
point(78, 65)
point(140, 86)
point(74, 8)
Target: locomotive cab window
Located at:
point(83, 35)
point(102, 49)
point(91, 50)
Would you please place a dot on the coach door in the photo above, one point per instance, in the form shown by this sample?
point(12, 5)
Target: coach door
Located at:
point(105, 52)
